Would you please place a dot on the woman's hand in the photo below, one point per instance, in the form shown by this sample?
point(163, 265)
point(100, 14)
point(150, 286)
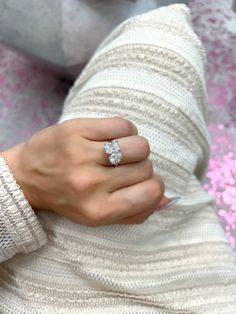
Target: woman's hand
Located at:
point(64, 168)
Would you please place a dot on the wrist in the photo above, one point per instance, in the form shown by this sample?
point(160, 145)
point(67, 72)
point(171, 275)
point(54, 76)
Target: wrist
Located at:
point(13, 158)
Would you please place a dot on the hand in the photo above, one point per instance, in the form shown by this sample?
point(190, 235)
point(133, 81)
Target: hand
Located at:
point(64, 168)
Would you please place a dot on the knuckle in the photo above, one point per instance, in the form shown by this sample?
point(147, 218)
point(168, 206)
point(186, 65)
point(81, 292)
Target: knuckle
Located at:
point(154, 191)
point(148, 166)
point(130, 204)
point(89, 179)
point(117, 207)
point(110, 208)
point(144, 146)
point(126, 125)
point(82, 183)
point(96, 215)
point(102, 176)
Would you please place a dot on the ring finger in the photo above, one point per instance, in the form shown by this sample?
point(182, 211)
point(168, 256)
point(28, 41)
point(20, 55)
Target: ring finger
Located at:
point(133, 148)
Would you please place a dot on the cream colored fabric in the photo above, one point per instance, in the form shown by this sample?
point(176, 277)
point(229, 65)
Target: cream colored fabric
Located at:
point(20, 230)
point(151, 71)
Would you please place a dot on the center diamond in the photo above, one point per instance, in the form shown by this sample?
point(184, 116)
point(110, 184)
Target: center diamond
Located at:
point(112, 147)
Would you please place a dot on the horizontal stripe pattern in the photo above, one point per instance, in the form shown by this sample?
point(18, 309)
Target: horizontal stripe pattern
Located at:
point(150, 70)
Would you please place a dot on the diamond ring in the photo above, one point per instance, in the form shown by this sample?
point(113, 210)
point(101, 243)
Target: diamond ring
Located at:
point(113, 151)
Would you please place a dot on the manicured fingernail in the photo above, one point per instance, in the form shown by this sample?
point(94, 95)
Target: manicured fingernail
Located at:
point(173, 200)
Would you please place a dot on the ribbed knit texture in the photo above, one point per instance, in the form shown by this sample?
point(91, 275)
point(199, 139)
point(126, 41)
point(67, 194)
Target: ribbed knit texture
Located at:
point(151, 71)
point(20, 231)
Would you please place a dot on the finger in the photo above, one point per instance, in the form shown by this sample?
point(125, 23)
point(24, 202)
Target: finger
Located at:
point(136, 219)
point(141, 217)
point(133, 149)
point(135, 199)
point(102, 129)
point(130, 174)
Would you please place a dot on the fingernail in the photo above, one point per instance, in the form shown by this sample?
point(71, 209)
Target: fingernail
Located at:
point(173, 200)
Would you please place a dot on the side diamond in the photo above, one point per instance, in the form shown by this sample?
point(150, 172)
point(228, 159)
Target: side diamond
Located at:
point(115, 158)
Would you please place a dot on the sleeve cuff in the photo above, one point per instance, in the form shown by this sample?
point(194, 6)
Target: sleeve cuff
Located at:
point(23, 232)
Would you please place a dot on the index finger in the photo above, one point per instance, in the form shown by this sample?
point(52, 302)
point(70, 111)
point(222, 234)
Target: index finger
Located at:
point(101, 129)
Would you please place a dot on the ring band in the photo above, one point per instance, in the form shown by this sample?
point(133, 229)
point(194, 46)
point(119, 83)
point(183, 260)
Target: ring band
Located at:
point(112, 149)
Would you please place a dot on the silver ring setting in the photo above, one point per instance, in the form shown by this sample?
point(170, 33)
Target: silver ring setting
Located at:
point(112, 148)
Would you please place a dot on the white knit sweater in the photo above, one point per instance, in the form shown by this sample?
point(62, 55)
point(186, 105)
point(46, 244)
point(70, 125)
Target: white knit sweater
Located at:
point(151, 71)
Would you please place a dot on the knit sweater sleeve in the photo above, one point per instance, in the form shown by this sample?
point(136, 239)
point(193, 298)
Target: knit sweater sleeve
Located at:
point(20, 229)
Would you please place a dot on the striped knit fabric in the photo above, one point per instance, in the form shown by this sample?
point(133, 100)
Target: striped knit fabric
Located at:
point(151, 71)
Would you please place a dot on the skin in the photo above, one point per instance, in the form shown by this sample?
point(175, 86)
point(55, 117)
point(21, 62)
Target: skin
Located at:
point(64, 169)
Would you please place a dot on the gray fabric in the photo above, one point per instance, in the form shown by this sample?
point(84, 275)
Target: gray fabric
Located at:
point(65, 33)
